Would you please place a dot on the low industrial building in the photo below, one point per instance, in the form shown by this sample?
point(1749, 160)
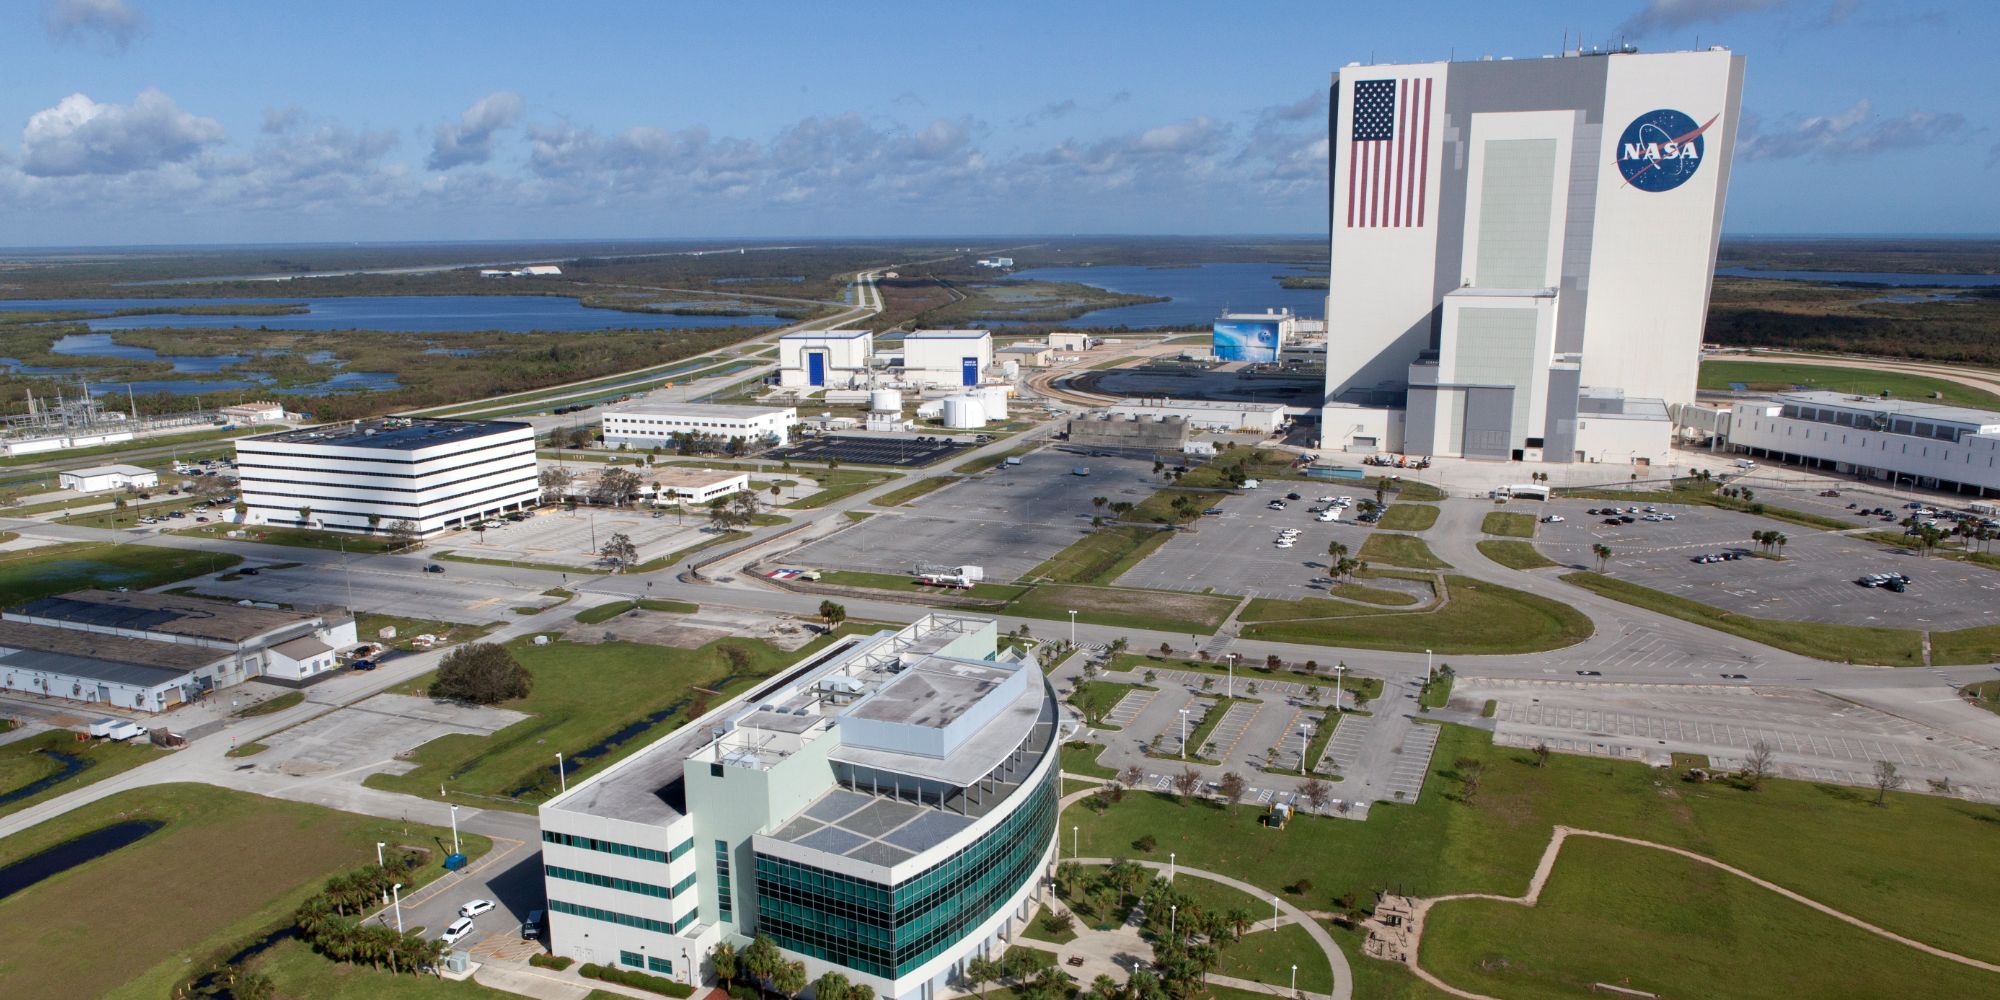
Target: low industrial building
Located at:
point(420, 474)
point(832, 358)
point(1208, 414)
point(104, 478)
point(531, 271)
point(946, 357)
point(886, 809)
point(1924, 444)
point(155, 651)
point(1069, 343)
point(648, 424)
point(694, 485)
point(1149, 434)
point(1027, 355)
point(260, 412)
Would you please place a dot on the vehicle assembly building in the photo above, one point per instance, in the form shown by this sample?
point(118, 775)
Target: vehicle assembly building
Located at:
point(1522, 251)
point(886, 809)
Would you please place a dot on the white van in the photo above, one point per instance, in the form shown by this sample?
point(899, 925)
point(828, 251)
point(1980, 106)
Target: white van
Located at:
point(1331, 514)
point(1251, 484)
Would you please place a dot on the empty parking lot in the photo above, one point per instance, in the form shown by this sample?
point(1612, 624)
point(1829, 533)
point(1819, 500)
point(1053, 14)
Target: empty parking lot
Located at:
point(1235, 552)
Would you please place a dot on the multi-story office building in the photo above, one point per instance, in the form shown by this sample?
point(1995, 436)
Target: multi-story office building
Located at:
point(431, 475)
point(885, 809)
point(1522, 251)
point(646, 424)
point(1915, 443)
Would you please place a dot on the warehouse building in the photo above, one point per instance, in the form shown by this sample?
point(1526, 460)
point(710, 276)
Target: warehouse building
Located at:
point(1928, 445)
point(835, 359)
point(649, 424)
point(1208, 414)
point(103, 478)
point(886, 810)
point(428, 475)
point(939, 358)
point(1513, 240)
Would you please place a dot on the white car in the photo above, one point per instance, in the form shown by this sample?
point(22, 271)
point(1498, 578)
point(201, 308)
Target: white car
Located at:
point(457, 931)
point(476, 907)
point(1330, 516)
point(1285, 543)
point(1343, 501)
point(1553, 519)
point(1329, 499)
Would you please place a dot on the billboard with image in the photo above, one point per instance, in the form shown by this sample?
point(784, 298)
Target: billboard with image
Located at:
point(1247, 340)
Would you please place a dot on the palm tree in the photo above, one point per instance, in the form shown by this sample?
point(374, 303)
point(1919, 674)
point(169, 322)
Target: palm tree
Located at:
point(1603, 554)
point(723, 958)
point(1778, 539)
point(1240, 921)
point(979, 972)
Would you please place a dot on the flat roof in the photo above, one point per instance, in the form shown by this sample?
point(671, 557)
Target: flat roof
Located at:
point(172, 657)
point(826, 335)
point(392, 433)
point(1916, 409)
point(1198, 404)
point(164, 613)
point(110, 470)
point(931, 694)
point(946, 335)
point(1024, 348)
point(667, 409)
point(669, 476)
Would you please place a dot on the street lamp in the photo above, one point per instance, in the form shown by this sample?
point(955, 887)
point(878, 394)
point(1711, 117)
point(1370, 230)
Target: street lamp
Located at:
point(1295, 980)
point(378, 852)
point(396, 893)
point(1183, 734)
point(1170, 866)
point(1274, 913)
point(1174, 920)
point(1339, 671)
point(1231, 690)
point(1305, 740)
point(454, 828)
point(1075, 838)
point(1428, 674)
point(1072, 628)
point(560, 775)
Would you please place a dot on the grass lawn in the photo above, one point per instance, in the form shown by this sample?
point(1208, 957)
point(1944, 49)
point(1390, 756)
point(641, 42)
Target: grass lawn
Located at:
point(129, 516)
point(1034, 931)
point(1895, 647)
point(26, 574)
point(1080, 757)
point(1265, 609)
point(1409, 517)
point(1094, 698)
point(606, 612)
point(1407, 551)
point(1267, 956)
point(297, 971)
point(1159, 508)
point(990, 461)
point(1170, 611)
point(1100, 556)
point(1373, 595)
point(1478, 617)
point(1515, 555)
point(1978, 644)
point(909, 584)
point(368, 626)
point(277, 854)
point(23, 763)
point(1923, 866)
point(1782, 376)
point(583, 694)
point(1705, 494)
point(1360, 689)
point(835, 484)
point(303, 538)
point(269, 705)
point(1647, 920)
point(1985, 694)
point(921, 487)
point(655, 565)
point(1509, 523)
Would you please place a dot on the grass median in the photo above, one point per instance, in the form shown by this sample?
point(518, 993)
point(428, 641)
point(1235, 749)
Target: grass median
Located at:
point(1126, 607)
point(1475, 617)
point(922, 487)
point(1409, 517)
point(1515, 555)
point(1894, 647)
point(605, 612)
point(26, 574)
point(1101, 556)
point(1512, 524)
point(1407, 551)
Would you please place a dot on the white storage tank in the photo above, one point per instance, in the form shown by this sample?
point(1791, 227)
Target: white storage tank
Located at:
point(963, 413)
point(993, 400)
point(1010, 369)
point(885, 401)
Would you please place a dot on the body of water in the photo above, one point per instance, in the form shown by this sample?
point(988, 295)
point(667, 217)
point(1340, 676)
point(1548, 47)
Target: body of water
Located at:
point(100, 345)
point(396, 313)
point(68, 854)
point(1197, 295)
point(1891, 278)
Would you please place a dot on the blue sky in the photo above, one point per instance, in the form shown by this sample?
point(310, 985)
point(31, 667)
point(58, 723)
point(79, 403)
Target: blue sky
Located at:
point(143, 121)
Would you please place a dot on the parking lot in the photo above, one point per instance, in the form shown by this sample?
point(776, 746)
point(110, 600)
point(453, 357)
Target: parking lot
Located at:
point(375, 731)
point(1813, 582)
point(1007, 521)
point(855, 450)
point(1234, 552)
point(574, 538)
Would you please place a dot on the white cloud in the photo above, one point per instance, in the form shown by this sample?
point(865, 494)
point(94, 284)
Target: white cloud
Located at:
point(470, 140)
point(81, 136)
point(112, 22)
point(1855, 132)
point(1667, 15)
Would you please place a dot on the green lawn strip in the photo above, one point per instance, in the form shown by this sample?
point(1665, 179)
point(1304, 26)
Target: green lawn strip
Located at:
point(1978, 644)
point(1705, 493)
point(26, 761)
point(1035, 931)
point(664, 562)
point(909, 585)
point(1080, 757)
point(1101, 556)
point(1648, 920)
point(1373, 595)
point(1407, 551)
point(1985, 694)
point(922, 487)
point(1126, 607)
point(1515, 555)
point(295, 970)
point(278, 853)
point(984, 462)
point(304, 538)
point(606, 612)
point(129, 515)
point(857, 515)
point(1407, 489)
point(583, 693)
point(1409, 517)
point(1776, 376)
point(1903, 867)
point(270, 705)
point(1510, 523)
point(457, 556)
point(368, 627)
point(125, 446)
point(1477, 617)
point(836, 484)
point(1359, 689)
point(1896, 647)
point(1437, 694)
point(1096, 697)
point(1159, 507)
point(1267, 956)
point(26, 574)
point(250, 749)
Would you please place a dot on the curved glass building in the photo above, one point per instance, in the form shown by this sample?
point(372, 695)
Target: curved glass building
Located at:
point(885, 809)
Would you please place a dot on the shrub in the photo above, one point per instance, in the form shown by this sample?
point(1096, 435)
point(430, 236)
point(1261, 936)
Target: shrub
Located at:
point(627, 977)
point(1146, 843)
point(481, 673)
point(556, 962)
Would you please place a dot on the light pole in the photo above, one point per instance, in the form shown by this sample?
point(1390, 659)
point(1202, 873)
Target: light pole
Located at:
point(396, 893)
point(1170, 866)
point(1230, 691)
point(454, 828)
point(1072, 628)
point(560, 775)
point(1339, 672)
point(378, 852)
point(1075, 838)
point(1274, 913)
point(1183, 734)
point(1428, 674)
point(1305, 740)
point(1295, 980)
point(1174, 920)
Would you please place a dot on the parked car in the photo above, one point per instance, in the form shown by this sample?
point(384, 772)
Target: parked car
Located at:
point(363, 664)
point(1291, 496)
point(476, 907)
point(1552, 519)
point(433, 568)
point(531, 928)
point(249, 571)
point(457, 931)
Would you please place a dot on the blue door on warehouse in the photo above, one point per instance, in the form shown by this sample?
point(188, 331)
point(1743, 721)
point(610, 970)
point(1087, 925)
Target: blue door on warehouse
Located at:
point(815, 367)
point(968, 371)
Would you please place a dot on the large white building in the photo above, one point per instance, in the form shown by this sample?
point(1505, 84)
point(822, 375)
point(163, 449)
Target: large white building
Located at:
point(836, 359)
point(1522, 250)
point(647, 424)
point(99, 478)
point(1914, 443)
point(1206, 414)
point(939, 358)
point(886, 810)
point(365, 476)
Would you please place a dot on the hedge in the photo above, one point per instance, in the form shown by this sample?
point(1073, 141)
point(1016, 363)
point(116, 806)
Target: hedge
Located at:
point(626, 977)
point(556, 962)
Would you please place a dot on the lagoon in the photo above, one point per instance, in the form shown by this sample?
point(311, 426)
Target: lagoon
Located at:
point(1197, 294)
point(1896, 279)
point(394, 313)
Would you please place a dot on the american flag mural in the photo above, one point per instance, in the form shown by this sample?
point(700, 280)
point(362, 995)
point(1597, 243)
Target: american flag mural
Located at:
point(1389, 156)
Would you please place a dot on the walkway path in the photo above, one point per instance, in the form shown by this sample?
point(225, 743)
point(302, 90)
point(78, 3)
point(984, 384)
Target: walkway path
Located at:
point(1421, 908)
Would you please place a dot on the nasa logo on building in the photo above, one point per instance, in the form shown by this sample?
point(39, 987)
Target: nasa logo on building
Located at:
point(1661, 149)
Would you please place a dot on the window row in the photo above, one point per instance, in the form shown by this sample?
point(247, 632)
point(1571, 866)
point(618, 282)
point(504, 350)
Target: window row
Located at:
point(623, 919)
point(613, 847)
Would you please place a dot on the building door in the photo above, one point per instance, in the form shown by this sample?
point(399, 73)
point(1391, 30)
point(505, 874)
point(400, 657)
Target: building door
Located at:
point(968, 370)
point(815, 367)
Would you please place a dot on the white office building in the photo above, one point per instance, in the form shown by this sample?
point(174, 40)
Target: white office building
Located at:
point(649, 424)
point(885, 810)
point(835, 359)
point(942, 358)
point(1206, 414)
point(1522, 250)
point(367, 475)
point(102, 478)
point(1922, 444)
